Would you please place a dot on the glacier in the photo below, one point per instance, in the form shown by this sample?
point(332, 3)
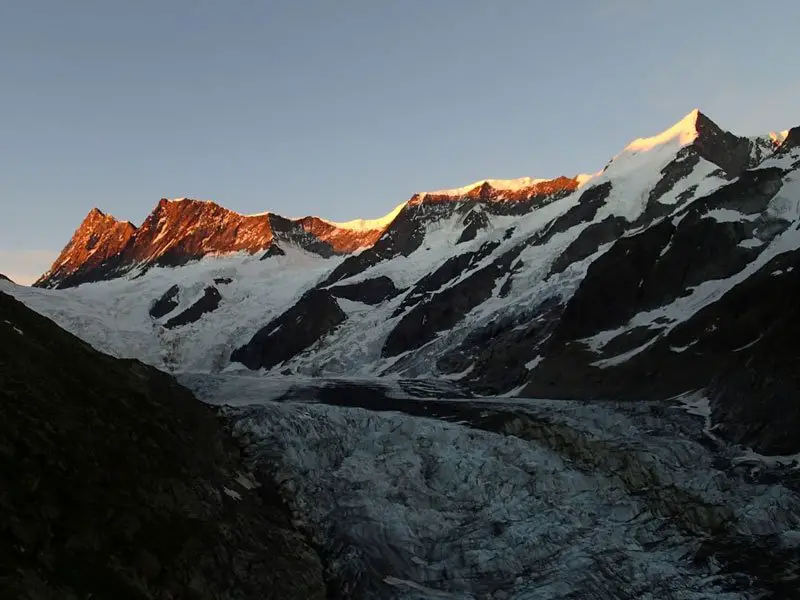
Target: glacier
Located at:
point(508, 498)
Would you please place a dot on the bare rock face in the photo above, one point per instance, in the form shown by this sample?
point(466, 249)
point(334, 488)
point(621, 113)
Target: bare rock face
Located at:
point(445, 308)
point(273, 251)
point(98, 239)
point(505, 201)
point(117, 483)
point(369, 291)
point(406, 233)
point(166, 303)
point(792, 140)
point(726, 150)
point(342, 240)
point(316, 314)
point(180, 231)
point(207, 303)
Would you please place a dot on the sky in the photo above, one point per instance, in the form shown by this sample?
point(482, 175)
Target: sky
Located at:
point(345, 108)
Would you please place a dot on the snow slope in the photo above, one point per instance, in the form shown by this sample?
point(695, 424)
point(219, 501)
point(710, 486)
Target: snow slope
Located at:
point(113, 315)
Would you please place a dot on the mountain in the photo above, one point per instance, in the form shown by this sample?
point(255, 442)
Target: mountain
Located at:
point(179, 231)
point(182, 230)
point(634, 282)
point(117, 483)
point(575, 387)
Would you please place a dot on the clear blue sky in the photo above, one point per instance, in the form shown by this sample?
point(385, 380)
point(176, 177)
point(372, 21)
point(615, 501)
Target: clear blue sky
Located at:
point(345, 108)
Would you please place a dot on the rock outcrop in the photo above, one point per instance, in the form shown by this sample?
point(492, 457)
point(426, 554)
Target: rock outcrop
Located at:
point(369, 291)
point(313, 316)
point(207, 303)
point(168, 302)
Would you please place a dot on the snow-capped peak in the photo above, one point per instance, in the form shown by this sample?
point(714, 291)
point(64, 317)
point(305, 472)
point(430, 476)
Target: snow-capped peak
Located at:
point(657, 150)
point(584, 178)
point(380, 223)
point(684, 132)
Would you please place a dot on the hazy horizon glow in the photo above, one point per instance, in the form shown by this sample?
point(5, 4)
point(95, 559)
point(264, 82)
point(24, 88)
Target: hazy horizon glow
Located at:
point(343, 110)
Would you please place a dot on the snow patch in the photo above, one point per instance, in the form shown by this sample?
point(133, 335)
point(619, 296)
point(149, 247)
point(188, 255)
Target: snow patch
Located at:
point(232, 493)
point(369, 224)
point(14, 327)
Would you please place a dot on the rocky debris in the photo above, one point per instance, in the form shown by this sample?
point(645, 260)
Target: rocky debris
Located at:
point(209, 302)
point(444, 309)
point(316, 314)
point(369, 291)
point(273, 251)
point(118, 483)
point(223, 280)
point(167, 303)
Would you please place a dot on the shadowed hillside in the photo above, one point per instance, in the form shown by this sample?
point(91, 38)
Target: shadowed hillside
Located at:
point(115, 482)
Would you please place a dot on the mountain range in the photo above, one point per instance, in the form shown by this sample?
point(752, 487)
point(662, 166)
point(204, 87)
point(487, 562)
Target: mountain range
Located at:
point(516, 388)
point(659, 275)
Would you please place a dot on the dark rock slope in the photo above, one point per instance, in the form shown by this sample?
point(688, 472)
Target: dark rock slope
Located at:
point(168, 302)
point(115, 482)
point(208, 302)
point(316, 314)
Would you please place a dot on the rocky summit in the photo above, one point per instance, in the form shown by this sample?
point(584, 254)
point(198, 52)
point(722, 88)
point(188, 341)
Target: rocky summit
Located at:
point(573, 387)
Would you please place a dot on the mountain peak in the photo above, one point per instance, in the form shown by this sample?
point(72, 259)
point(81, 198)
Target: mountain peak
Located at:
point(694, 134)
point(98, 237)
point(682, 133)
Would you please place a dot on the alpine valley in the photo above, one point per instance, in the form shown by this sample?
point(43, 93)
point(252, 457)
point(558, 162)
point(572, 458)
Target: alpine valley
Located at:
point(578, 387)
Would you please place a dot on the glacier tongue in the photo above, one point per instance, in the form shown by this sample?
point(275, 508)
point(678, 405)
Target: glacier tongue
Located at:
point(505, 499)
